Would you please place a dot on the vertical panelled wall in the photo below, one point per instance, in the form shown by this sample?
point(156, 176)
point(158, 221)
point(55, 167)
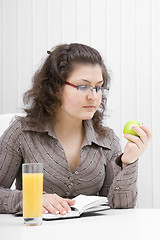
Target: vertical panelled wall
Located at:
point(127, 34)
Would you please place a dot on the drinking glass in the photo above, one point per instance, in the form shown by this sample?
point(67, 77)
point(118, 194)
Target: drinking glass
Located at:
point(32, 179)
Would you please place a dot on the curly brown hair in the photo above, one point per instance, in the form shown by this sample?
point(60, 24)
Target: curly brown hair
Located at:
point(44, 98)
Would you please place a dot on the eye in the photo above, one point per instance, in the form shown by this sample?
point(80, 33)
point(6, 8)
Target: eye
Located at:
point(99, 88)
point(82, 87)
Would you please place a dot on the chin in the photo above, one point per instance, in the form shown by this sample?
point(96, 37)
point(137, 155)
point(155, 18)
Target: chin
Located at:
point(90, 116)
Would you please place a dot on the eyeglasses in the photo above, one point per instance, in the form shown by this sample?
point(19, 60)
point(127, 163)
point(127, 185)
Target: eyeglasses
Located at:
point(88, 89)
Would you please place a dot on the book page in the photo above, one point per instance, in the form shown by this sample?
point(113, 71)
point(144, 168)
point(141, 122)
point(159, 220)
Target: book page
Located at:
point(84, 202)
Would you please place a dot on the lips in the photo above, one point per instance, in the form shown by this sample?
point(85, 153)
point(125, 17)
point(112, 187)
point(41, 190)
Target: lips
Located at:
point(89, 107)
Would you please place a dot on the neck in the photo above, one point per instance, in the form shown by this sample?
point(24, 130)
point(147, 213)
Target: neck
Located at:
point(68, 126)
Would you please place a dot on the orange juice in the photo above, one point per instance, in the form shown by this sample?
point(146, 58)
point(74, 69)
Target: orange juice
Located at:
point(32, 194)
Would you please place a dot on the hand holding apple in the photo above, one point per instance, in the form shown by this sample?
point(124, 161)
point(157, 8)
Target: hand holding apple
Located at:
point(138, 136)
point(128, 127)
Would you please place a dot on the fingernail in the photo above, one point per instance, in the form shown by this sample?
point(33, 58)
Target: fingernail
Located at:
point(57, 212)
point(45, 211)
point(64, 212)
point(69, 210)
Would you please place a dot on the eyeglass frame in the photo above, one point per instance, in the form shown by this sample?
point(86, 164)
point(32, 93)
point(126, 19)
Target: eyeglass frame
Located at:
point(91, 88)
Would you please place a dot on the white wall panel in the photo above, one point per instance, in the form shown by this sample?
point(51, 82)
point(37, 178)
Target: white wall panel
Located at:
point(69, 21)
point(98, 25)
point(127, 34)
point(10, 56)
point(54, 23)
point(1, 56)
point(113, 61)
point(25, 48)
point(144, 96)
point(128, 61)
point(155, 88)
point(83, 21)
point(39, 30)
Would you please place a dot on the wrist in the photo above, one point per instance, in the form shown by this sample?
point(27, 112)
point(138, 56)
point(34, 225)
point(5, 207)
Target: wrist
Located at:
point(125, 161)
point(124, 165)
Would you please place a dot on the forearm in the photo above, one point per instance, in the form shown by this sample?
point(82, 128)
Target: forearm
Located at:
point(10, 201)
point(10, 169)
point(123, 190)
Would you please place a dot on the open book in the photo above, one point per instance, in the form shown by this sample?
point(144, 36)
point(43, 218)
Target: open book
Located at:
point(83, 204)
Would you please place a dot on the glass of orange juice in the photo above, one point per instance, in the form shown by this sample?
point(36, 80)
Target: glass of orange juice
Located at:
point(32, 179)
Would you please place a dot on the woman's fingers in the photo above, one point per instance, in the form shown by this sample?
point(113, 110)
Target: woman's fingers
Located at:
point(64, 206)
point(49, 207)
point(70, 202)
point(44, 210)
point(56, 204)
point(134, 140)
point(147, 131)
point(136, 146)
point(144, 135)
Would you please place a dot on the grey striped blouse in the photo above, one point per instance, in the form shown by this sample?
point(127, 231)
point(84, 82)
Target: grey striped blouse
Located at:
point(99, 172)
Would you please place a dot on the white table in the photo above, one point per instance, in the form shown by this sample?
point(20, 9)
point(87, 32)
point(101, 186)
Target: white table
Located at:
point(130, 224)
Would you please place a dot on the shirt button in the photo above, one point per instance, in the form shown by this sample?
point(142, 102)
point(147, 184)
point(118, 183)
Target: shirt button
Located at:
point(69, 186)
point(117, 188)
point(76, 172)
point(70, 178)
point(67, 193)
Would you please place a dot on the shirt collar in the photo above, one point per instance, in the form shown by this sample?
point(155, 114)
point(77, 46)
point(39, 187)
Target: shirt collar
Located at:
point(90, 134)
point(29, 126)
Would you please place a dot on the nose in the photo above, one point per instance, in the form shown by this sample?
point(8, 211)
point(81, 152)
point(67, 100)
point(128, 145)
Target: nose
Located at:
point(93, 95)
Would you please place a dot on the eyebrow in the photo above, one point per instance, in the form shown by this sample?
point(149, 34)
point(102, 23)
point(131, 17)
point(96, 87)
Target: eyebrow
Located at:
point(85, 80)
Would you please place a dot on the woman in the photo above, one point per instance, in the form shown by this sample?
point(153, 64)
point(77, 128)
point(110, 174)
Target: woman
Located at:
point(63, 130)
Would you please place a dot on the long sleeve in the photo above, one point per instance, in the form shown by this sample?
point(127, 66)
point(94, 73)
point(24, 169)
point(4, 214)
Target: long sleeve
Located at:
point(123, 190)
point(10, 201)
point(120, 184)
point(10, 168)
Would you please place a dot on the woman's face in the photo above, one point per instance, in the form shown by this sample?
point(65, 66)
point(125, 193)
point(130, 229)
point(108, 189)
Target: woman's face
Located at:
point(82, 104)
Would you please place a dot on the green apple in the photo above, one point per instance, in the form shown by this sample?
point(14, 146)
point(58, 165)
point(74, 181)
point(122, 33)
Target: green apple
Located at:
point(128, 127)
